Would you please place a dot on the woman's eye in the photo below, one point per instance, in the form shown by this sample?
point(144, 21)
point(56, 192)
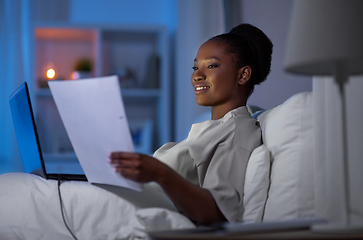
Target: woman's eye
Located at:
point(212, 66)
point(195, 68)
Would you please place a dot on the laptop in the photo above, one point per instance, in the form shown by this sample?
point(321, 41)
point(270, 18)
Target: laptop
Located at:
point(27, 137)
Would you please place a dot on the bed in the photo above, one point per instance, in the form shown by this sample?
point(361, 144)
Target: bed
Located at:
point(278, 186)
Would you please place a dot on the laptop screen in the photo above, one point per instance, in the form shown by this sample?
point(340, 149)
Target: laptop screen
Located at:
point(25, 130)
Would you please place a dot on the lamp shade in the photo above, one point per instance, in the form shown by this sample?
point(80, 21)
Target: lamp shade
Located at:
point(324, 34)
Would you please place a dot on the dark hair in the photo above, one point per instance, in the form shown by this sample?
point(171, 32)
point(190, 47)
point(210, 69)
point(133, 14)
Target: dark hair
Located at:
point(249, 46)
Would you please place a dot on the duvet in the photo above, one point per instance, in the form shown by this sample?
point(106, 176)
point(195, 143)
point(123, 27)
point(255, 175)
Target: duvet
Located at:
point(30, 209)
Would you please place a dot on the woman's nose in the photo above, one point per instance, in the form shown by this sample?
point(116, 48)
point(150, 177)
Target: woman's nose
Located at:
point(198, 76)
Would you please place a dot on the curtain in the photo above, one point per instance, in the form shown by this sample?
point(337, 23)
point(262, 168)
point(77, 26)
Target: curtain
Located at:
point(15, 68)
point(328, 156)
point(197, 22)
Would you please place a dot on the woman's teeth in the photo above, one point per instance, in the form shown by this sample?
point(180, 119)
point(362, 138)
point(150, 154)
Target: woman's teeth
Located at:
point(201, 88)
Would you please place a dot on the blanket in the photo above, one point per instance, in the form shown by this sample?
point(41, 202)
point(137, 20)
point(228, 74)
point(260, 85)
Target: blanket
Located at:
point(30, 209)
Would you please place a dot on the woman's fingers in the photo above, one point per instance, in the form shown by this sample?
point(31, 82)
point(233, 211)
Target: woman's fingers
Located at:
point(123, 155)
point(127, 164)
point(123, 158)
point(130, 173)
point(135, 166)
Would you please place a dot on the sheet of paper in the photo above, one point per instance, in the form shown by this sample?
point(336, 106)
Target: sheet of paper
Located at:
point(94, 117)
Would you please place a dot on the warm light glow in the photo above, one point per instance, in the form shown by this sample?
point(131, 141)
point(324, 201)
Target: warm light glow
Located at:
point(50, 73)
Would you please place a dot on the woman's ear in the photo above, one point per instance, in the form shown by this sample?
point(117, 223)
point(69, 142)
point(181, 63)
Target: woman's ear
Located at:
point(244, 74)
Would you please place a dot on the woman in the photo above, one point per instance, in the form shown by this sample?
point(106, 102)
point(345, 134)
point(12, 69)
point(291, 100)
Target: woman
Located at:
point(204, 174)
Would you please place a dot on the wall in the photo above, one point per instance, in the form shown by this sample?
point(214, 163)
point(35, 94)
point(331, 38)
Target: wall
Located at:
point(125, 12)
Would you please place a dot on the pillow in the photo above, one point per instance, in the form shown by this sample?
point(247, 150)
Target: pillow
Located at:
point(257, 181)
point(287, 132)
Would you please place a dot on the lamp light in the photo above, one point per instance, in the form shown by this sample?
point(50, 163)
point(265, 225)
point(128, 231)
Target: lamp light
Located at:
point(326, 38)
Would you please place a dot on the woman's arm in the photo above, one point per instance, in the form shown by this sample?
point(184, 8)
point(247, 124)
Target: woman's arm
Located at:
point(193, 201)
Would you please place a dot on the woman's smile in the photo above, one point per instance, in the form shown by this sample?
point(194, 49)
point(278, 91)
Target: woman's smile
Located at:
point(200, 88)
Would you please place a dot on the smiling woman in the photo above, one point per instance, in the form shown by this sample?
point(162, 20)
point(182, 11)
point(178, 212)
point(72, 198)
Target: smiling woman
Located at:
point(204, 174)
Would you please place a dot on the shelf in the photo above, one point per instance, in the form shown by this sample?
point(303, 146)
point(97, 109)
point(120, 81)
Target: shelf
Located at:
point(138, 55)
point(66, 34)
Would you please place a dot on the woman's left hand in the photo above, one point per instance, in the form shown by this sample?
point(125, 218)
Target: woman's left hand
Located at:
point(137, 167)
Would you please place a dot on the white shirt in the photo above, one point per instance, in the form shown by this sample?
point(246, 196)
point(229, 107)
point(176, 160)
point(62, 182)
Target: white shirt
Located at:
point(215, 156)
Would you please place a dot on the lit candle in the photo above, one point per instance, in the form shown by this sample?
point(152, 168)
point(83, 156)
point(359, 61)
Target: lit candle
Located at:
point(50, 73)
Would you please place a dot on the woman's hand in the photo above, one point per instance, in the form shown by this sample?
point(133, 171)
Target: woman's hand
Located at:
point(193, 201)
point(138, 167)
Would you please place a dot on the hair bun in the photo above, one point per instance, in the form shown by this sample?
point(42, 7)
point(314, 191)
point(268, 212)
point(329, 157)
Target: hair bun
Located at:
point(261, 46)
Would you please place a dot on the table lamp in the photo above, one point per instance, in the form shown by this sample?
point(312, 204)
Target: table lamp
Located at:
point(326, 38)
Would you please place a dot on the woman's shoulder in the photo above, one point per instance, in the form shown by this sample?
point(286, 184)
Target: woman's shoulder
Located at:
point(240, 118)
point(247, 132)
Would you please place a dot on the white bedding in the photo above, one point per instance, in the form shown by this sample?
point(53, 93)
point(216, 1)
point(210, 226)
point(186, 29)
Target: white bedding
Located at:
point(30, 209)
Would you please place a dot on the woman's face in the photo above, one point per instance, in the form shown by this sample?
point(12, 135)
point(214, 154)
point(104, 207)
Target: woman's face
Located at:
point(215, 79)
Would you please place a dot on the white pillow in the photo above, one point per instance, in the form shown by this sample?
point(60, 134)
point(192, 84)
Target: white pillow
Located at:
point(287, 132)
point(257, 181)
